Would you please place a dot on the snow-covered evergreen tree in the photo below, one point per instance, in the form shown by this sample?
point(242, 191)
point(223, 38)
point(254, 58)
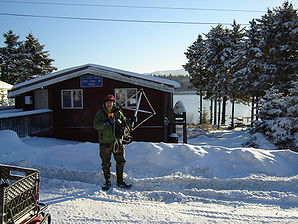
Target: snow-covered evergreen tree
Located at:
point(35, 61)
point(236, 35)
point(199, 75)
point(219, 52)
point(218, 45)
point(211, 62)
point(233, 63)
point(246, 79)
point(277, 75)
point(23, 60)
point(292, 100)
point(261, 65)
point(195, 65)
point(10, 58)
point(279, 117)
point(278, 31)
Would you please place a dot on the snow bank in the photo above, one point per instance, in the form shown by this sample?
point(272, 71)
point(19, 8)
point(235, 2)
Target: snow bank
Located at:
point(70, 155)
point(146, 160)
point(213, 174)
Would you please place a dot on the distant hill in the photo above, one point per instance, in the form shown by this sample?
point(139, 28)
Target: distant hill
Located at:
point(179, 75)
point(169, 72)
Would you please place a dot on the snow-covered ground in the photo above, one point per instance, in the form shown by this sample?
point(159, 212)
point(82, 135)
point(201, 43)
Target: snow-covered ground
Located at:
point(213, 179)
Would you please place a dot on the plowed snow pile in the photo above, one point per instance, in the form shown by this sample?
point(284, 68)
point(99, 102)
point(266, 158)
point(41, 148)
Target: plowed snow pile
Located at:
point(213, 179)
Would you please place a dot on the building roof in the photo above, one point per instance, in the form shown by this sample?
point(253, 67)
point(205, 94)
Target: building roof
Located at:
point(107, 72)
point(4, 85)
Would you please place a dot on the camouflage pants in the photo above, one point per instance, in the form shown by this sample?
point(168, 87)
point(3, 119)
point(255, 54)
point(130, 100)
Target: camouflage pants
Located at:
point(106, 151)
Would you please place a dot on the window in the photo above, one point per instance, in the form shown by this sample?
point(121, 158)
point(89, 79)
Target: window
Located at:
point(126, 97)
point(28, 100)
point(72, 99)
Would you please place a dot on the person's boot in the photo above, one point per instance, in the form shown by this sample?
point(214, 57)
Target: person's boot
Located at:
point(106, 185)
point(120, 182)
point(124, 185)
point(107, 175)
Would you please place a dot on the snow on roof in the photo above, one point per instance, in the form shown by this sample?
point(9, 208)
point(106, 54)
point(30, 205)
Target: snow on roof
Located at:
point(142, 76)
point(4, 85)
point(112, 73)
point(20, 113)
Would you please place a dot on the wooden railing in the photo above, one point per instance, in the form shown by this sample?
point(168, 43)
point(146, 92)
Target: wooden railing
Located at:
point(36, 122)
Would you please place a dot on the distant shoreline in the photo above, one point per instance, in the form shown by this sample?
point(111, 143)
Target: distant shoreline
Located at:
point(192, 92)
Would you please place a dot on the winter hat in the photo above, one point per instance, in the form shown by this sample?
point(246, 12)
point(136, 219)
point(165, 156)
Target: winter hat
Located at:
point(109, 97)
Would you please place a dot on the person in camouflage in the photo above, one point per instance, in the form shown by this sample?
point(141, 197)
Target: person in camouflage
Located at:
point(109, 121)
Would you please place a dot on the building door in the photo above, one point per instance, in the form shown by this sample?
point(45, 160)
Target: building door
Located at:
point(41, 100)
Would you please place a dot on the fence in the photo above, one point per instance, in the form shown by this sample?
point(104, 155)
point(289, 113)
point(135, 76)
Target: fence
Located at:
point(36, 122)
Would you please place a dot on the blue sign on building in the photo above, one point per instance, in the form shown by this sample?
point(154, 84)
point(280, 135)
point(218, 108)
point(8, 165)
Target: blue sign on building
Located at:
point(91, 81)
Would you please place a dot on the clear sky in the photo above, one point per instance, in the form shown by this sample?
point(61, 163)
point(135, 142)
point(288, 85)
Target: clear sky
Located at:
point(132, 46)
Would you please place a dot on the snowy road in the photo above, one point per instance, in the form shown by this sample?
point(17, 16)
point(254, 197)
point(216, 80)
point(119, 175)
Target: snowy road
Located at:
point(76, 202)
point(214, 179)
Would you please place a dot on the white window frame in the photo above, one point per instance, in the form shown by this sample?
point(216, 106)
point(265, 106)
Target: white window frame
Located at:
point(126, 97)
point(72, 100)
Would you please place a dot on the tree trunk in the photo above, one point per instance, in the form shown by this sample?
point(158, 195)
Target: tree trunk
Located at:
point(219, 105)
point(257, 107)
point(211, 111)
point(201, 107)
point(215, 112)
point(224, 110)
point(233, 112)
point(252, 110)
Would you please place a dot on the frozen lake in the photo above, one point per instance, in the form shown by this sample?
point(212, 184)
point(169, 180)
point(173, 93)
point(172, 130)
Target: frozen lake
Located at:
point(191, 103)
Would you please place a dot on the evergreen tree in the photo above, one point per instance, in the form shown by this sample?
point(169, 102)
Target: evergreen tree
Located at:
point(263, 64)
point(199, 75)
point(195, 65)
point(279, 35)
point(246, 76)
point(236, 35)
point(278, 74)
point(218, 45)
point(246, 79)
point(217, 53)
point(35, 61)
point(279, 117)
point(23, 60)
point(10, 58)
point(236, 62)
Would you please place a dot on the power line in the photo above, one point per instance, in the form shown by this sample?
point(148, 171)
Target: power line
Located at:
point(116, 20)
point(135, 6)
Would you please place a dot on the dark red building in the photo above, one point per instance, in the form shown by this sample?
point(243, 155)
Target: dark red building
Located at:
point(74, 95)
